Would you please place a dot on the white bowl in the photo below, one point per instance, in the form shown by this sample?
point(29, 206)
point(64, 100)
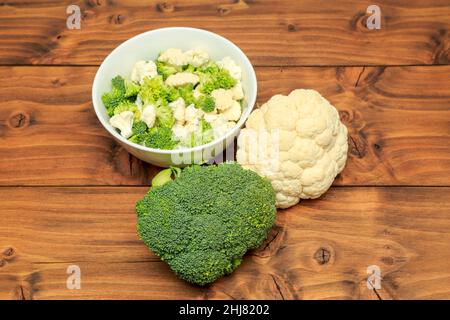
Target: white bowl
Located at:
point(147, 46)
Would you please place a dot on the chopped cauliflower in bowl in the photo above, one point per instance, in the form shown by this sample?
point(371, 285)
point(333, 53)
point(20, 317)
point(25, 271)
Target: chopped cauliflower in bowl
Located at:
point(192, 93)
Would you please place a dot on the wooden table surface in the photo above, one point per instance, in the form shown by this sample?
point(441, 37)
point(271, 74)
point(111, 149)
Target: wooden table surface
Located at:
point(67, 191)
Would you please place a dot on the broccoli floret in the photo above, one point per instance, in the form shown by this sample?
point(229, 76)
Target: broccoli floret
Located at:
point(164, 116)
point(166, 69)
point(189, 68)
point(139, 127)
point(122, 91)
point(213, 77)
point(204, 221)
point(127, 87)
point(127, 105)
point(158, 138)
point(206, 103)
point(187, 93)
point(111, 100)
point(154, 91)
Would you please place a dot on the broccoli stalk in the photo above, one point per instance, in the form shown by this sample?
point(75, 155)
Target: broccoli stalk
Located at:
point(165, 176)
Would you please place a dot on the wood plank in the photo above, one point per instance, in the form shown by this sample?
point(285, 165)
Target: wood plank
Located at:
point(272, 33)
point(398, 120)
point(319, 249)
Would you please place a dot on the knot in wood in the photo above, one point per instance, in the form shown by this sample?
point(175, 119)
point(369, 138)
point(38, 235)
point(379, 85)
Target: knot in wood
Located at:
point(18, 120)
point(9, 252)
point(165, 7)
point(322, 256)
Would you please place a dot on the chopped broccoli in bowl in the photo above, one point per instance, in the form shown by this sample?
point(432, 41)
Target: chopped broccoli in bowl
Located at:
point(180, 100)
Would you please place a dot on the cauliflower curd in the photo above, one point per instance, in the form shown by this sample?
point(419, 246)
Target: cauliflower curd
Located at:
point(180, 100)
point(307, 148)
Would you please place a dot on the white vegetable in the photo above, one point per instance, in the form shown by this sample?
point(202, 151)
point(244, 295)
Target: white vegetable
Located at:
point(234, 112)
point(238, 92)
point(210, 116)
point(229, 64)
point(192, 114)
point(143, 69)
point(309, 149)
point(222, 98)
point(124, 122)
point(173, 56)
point(179, 108)
point(149, 115)
point(180, 132)
point(221, 126)
point(196, 57)
point(182, 78)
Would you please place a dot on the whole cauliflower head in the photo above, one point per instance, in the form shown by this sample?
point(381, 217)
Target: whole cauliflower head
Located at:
point(297, 142)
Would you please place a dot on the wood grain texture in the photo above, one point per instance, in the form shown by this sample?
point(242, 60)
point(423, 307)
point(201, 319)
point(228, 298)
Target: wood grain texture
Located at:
point(398, 120)
point(272, 33)
point(319, 249)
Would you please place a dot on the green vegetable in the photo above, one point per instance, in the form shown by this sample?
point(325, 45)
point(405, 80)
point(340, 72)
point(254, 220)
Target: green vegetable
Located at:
point(164, 116)
point(165, 176)
point(111, 100)
point(213, 77)
point(122, 91)
point(166, 69)
point(204, 221)
point(187, 93)
point(154, 91)
point(127, 105)
point(139, 127)
point(189, 68)
point(204, 135)
point(158, 138)
point(127, 87)
point(206, 103)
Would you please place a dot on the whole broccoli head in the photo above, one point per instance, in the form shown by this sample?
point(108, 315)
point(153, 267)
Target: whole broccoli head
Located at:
point(204, 221)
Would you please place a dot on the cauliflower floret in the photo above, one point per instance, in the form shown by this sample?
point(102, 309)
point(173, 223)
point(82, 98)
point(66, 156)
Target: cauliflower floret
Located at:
point(182, 78)
point(230, 65)
point(221, 125)
point(193, 115)
point(124, 122)
point(143, 69)
point(222, 98)
point(234, 112)
point(149, 115)
point(196, 57)
point(173, 56)
point(180, 132)
point(238, 92)
point(179, 108)
point(210, 116)
point(305, 145)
